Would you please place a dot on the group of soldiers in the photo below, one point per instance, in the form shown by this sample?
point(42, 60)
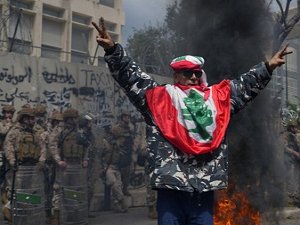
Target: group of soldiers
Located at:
point(44, 165)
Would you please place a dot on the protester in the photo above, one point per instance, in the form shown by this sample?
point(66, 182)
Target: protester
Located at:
point(186, 127)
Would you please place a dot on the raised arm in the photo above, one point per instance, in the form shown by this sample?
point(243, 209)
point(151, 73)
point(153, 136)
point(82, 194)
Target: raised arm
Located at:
point(124, 70)
point(247, 86)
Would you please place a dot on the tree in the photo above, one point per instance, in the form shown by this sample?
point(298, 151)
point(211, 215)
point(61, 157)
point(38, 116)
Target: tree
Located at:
point(151, 49)
point(284, 22)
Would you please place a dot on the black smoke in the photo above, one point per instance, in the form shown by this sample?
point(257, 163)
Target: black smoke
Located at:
point(232, 36)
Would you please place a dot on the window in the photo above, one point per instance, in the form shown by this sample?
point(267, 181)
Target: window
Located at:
point(20, 46)
point(110, 26)
point(23, 35)
point(109, 3)
point(79, 57)
point(22, 4)
point(51, 38)
point(53, 11)
point(50, 52)
point(80, 40)
point(83, 19)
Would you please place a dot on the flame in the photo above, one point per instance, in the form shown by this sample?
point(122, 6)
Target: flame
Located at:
point(235, 210)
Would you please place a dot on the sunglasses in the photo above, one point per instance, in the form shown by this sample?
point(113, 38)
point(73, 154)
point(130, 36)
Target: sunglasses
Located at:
point(189, 73)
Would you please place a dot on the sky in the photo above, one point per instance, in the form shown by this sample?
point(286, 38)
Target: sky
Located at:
point(141, 13)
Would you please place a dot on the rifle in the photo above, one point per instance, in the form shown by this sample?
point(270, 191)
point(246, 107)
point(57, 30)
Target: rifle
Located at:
point(13, 192)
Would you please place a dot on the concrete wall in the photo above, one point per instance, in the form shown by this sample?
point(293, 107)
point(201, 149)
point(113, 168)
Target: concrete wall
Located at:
point(25, 79)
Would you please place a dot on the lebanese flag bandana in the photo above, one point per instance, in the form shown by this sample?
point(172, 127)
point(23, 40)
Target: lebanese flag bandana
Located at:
point(193, 118)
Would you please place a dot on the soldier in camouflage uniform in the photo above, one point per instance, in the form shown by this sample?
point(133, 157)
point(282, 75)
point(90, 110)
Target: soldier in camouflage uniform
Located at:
point(70, 188)
point(26, 157)
point(87, 138)
point(41, 129)
point(186, 160)
point(110, 157)
point(125, 149)
point(50, 138)
point(5, 125)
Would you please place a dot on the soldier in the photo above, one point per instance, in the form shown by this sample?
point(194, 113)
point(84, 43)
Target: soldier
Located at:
point(110, 158)
point(40, 129)
point(70, 188)
point(40, 125)
point(26, 157)
point(5, 125)
point(50, 138)
point(125, 134)
point(86, 138)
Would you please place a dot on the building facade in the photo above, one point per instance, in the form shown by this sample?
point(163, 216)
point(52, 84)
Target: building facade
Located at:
point(58, 29)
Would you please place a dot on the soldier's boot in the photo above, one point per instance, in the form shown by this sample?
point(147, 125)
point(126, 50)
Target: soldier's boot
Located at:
point(120, 206)
point(55, 218)
point(7, 215)
point(152, 213)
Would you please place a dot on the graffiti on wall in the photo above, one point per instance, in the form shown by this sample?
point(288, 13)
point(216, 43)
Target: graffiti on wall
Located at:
point(61, 85)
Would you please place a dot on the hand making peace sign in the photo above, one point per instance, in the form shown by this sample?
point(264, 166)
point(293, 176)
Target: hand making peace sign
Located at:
point(278, 58)
point(103, 38)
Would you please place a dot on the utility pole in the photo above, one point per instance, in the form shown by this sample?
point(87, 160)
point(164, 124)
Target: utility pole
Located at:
point(15, 32)
point(286, 83)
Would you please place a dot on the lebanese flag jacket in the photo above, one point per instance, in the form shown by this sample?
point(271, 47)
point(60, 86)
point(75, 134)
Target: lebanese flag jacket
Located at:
point(186, 126)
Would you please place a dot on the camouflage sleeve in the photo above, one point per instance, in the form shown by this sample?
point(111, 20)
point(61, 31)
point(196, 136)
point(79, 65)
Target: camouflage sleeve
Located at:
point(246, 87)
point(9, 145)
point(53, 145)
point(42, 140)
point(105, 153)
point(4, 127)
point(130, 77)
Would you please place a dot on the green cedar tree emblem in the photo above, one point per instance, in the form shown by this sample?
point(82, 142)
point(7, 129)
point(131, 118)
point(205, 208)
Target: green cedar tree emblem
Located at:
point(198, 112)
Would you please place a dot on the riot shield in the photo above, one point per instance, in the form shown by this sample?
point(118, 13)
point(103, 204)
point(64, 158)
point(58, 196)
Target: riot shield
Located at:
point(74, 204)
point(27, 205)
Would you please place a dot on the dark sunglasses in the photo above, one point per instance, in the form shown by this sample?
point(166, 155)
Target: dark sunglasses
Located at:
point(189, 73)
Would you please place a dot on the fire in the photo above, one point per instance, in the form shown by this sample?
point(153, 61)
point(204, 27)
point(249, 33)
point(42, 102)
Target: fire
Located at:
point(235, 210)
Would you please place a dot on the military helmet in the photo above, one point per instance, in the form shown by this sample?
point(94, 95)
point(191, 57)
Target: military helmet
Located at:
point(26, 110)
point(56, 115)
point(70, 113)
point(8, 108)
point(40, 110)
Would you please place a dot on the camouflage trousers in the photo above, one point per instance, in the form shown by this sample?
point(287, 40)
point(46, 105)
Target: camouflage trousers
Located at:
point(49, 179)
point(113, 179)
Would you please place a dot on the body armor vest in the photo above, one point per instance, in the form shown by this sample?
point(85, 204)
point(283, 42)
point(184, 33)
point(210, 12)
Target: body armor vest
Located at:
point(28, 147)
point(70, 148)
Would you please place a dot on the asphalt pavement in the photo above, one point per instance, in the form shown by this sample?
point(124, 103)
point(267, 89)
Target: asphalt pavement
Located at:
point(138, 216)
point(134, 216)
